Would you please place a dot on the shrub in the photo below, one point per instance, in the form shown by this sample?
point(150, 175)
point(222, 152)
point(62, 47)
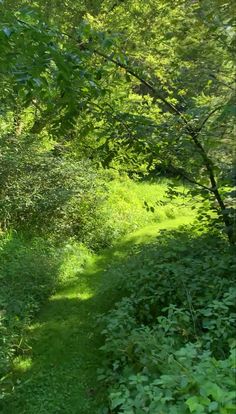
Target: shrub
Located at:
point(48, 196)
point(192, 382)
point(169, 342)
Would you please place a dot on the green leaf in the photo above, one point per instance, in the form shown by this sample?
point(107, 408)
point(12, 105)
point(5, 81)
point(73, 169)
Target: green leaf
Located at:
point(213, 406)
point(193, 404)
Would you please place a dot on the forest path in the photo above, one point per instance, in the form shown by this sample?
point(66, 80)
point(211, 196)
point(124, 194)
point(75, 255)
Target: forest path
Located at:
point(60, 376)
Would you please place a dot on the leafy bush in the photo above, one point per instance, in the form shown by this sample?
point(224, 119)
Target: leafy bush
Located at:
point(47, 195)
point(192, 382)
point(169, 342)
point(51, 195)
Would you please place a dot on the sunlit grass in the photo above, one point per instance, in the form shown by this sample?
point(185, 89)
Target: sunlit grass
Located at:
point(132, 205)
point(60, 376)
point(72, 294)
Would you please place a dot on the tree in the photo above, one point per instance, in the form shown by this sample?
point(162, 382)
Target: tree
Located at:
point(164, 93)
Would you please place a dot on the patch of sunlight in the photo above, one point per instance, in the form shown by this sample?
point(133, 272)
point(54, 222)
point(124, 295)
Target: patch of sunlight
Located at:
point(148, 233)
point(72, 295)
point(23, 364)
point(33, 326)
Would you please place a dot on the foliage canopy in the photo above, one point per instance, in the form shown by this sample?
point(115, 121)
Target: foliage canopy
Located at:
point(156, 92)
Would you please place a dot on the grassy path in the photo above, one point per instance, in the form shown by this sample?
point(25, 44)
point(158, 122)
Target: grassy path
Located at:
point(60, 374)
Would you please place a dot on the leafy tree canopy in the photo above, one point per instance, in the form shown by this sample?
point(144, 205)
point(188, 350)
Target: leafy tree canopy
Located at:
point(123, 82)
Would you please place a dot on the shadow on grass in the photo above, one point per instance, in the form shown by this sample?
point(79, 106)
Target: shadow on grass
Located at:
point(59, 375)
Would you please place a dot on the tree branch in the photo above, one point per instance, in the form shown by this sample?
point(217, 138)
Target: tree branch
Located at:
point(189, 179)
point(222, 82)
point(121, 65)
point(208, 117)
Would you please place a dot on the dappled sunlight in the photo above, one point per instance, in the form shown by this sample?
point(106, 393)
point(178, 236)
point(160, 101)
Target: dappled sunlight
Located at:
point(117, 207)
point(22, 364)
point(66, 339)
point(150, 233)
point(72, 295)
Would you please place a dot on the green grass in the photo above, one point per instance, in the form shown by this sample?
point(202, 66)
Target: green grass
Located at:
point(131, 205)
point(59, 373)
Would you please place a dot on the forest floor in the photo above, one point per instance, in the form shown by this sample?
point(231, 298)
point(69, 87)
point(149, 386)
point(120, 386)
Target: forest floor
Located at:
point(60, 375)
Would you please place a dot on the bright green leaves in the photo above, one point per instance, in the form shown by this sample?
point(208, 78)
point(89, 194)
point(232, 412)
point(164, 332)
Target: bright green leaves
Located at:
point(213, 399)
point(147, 81)
point(60, 74)
point(198, 404)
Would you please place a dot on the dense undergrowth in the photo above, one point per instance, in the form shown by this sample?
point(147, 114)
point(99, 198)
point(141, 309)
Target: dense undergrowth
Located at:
point(32, 267)
point(170, 340)
point(146, 88)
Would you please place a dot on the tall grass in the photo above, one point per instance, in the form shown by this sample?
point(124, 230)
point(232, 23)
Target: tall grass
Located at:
point(131, 205)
